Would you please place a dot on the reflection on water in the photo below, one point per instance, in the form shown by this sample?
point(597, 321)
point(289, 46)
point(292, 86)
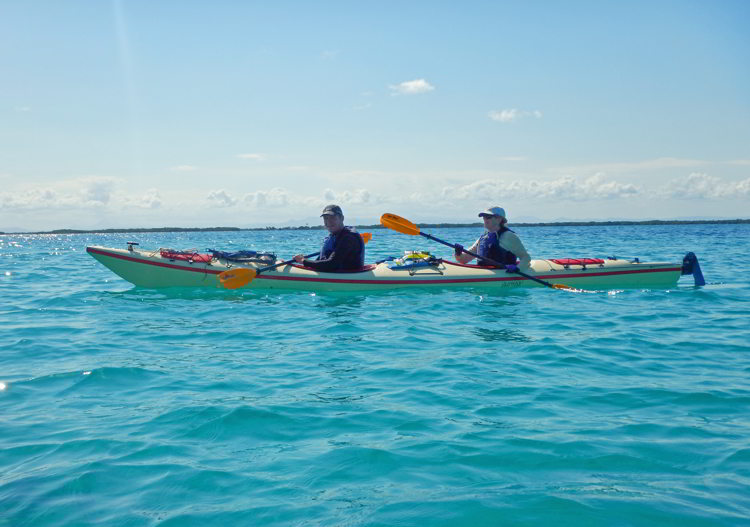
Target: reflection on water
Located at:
point(339, 303)
point(501, 335)
point(346, 340)
point(202, 293)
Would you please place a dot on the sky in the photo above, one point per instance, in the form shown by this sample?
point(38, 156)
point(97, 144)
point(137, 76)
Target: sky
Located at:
point(135, 113)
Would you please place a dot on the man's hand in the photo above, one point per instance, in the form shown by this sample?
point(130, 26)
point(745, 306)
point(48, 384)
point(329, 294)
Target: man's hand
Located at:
point(299, 258)
point(458, 249)
point(511, 268)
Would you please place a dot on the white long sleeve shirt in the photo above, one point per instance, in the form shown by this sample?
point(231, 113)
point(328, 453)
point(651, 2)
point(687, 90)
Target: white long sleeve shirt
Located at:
point(510, 242)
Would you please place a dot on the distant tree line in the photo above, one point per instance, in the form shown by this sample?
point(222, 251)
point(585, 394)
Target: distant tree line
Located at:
point(378, 226)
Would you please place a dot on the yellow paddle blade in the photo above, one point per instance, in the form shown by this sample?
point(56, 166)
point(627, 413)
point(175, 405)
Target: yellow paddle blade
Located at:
point(236, 278)
point(399, 224)
point(366, 236)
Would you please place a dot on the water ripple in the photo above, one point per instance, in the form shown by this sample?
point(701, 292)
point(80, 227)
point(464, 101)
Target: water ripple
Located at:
point(129, 406)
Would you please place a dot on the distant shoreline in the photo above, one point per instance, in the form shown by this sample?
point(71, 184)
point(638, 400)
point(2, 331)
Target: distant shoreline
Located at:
point(378, 226)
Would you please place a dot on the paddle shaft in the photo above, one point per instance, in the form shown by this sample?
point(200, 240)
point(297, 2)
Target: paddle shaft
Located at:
point(493, 262)
point(285, 262)
point(236, 278)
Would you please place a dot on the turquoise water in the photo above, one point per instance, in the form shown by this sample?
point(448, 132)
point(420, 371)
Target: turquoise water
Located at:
point(124, 406)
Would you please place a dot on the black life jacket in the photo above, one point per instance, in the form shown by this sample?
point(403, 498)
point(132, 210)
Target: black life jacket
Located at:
point(489, 247)
point(330, 243)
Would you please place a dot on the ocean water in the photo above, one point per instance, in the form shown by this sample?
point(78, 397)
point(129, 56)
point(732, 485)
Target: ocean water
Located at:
point(122, 406)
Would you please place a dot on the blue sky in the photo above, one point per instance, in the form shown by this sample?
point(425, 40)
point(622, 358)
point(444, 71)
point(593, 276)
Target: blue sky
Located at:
point(186, 113)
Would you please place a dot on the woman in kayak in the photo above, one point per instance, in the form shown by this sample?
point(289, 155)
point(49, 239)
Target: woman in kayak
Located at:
point(499, 243)
point(343, 249)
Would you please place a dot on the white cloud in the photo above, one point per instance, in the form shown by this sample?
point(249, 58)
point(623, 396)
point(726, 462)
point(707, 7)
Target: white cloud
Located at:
point(411, 87)
point(255, 157)
point(699, 185)
point(359, 196)
point(220, 198)
point(97, 190)
point(276, 197)
point(86, 193)
point(563, 188)
point(741, 162)
point(23, 109)
point(183, 168)
point(103, 201)
point(29, 199)
point(513, 114)
point(150, 199)
point(512, 158)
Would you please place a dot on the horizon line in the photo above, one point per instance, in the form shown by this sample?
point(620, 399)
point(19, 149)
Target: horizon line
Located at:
point(442, 225)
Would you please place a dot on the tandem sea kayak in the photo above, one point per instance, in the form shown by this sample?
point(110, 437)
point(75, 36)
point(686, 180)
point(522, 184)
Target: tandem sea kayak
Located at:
point(161, 268)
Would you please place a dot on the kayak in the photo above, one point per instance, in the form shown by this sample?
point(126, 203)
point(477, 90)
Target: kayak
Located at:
point(158, 269)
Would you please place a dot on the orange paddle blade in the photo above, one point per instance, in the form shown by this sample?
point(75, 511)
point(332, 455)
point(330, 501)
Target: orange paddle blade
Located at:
point(366, 236)
point(236, 278)
point(399, 224)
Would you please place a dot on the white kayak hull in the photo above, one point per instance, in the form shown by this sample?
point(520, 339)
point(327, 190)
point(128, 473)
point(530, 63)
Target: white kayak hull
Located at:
point(149, 269)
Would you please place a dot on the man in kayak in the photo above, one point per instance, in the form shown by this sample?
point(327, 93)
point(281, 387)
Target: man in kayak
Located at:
point(499, 243)
point(343, 249)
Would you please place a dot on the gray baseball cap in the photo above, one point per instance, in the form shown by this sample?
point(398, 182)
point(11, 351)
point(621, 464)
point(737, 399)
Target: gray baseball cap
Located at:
point(332, 210)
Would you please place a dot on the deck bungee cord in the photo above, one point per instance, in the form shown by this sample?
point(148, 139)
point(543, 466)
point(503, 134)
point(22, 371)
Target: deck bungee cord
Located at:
point(404, 226)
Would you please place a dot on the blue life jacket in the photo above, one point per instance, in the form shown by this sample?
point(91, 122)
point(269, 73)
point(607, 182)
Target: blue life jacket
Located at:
point(330, 243)
point(489, 247)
